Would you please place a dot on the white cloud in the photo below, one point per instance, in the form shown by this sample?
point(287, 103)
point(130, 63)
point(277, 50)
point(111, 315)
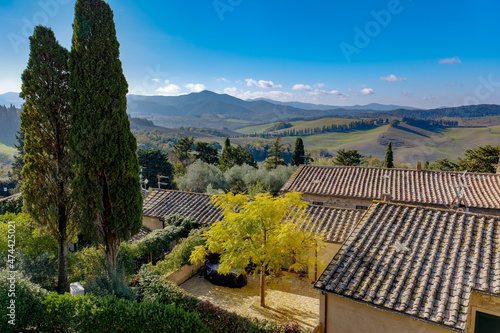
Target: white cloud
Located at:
point(223, 79)
point(262, 84)
point(156, 80)
point(320, 92)
point(392, 78)
point(169, 90)
point(301, 86)
point(195, 87)
point(454, 60)
point(275, 95)
point(367, 91)
point(406, 93)
point(320, 85)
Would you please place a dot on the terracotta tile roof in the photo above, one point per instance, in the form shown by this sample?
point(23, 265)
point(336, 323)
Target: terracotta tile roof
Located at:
point(140, 235)
point(405, 186)
point(144, 193)
point(418, 261)
point(334, 224)
point(196, 206)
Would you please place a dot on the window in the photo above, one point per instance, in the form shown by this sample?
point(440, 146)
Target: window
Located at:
point(362, 207)
point(486, 323)
point(317, 203)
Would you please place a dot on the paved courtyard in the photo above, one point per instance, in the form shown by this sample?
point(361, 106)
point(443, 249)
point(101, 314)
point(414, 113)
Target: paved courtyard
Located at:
point(288, 299)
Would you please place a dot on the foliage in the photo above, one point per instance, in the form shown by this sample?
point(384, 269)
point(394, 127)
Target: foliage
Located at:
point(207, 153)
point(29, 239)
point(11, 206)
point(182, 150)
point(86, 262)
point(45, 121)
point(394, 123)
point(91, 314)
point(275, 157)
point(244, 178)
point(100, 284)
point(155, 245)
point(232, 156)
point(480, 159)
point(262, 232)
point(153, 163)
point(156, 289)
point(103, 149)
point(299, 153)
point(347, 158)
point(426, 123)
point(180, 253)
point(28, 302)
point(278, 126)
point(9, 123)
point(17, 165)
point(199, 175)
point(259, 148)
point(389, 159)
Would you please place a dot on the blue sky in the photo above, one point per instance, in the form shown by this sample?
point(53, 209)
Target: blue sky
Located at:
point(410, 52)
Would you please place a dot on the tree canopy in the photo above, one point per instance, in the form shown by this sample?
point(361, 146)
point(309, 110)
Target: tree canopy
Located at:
point(275, 157)
point(207, 153)
point(389, 159)
point(153, 163)
point(45, 122)
point(103, 149)
point(347, 158)
point(299, 153)
point(263, 232)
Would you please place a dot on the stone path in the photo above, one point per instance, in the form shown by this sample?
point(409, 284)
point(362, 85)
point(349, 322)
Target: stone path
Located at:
point(290, 298)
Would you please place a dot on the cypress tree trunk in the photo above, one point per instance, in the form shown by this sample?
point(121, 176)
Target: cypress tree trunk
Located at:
point(62, 280)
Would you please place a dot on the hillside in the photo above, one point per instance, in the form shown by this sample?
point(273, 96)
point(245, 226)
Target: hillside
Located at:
point(9, 124)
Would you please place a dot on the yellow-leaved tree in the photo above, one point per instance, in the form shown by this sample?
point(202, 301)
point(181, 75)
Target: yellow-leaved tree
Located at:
point(262, 231)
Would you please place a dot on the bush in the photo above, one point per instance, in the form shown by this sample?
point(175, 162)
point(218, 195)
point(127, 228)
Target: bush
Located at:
point(199, 175)
point(91, 314)
point(181, 252)
point(41, 269)
point(101, 285)
point(28, 302)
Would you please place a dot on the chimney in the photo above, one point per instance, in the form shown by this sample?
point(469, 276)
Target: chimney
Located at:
point(386, 197)
point(419, 166)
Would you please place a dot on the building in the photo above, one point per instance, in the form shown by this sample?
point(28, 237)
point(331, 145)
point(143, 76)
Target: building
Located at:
point(159, 205)
point(357, 187)
point(333, 224)
point(408, 268)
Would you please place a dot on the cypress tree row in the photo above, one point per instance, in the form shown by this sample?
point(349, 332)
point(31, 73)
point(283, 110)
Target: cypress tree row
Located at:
point(389, 160)
point(45, 122)
point(299, 154)
point(103, 149)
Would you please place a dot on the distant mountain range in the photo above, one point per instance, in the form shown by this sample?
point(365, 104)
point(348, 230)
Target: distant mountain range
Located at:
point(11, 98)
point(310, 106)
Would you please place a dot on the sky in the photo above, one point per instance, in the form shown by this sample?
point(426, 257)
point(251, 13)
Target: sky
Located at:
point(419, 53)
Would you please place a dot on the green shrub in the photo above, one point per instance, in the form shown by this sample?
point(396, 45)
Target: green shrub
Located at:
point(91, 314)
point(181, 252)
point(41, 269)
point(87, 262)
point(28, 302)
point(100, 284)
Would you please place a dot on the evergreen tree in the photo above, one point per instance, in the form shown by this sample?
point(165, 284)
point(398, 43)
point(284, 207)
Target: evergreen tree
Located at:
point(389, 160)
point(226, 160)
point(347, 157)
point(17, 165)
point(45, 122)
point(275, 157)
point(299, 153)
point(207, 153)
point(183, 149)
point(103, 148)
point(153, 163)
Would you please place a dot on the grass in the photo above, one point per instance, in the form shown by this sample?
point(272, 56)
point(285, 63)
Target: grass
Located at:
point(7, 150)
point(256, 128)
point(298, 125)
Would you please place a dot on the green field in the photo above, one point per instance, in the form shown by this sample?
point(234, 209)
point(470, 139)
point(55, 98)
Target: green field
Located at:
point(256, 128)
point(7, 150)
point(410, 144)
point(300, 125)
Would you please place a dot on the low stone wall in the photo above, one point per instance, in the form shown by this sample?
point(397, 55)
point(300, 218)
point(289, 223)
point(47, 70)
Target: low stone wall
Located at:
point(184, 273)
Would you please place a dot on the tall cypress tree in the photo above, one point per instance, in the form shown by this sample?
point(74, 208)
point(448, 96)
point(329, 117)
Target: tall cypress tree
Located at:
point(389, 160)
point(103, 148)
point(226, 160)
point(299, 154)
point(45, 122)
point(275, 157)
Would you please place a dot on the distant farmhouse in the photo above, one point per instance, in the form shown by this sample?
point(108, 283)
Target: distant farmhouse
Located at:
point(408, 268)
point(357, 187)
